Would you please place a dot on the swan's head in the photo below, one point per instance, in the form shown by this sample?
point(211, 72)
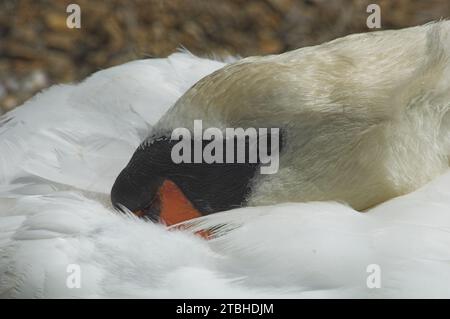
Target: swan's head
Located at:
point(157, 185)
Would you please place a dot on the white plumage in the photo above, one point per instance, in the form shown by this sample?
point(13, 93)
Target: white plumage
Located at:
point(60, 153)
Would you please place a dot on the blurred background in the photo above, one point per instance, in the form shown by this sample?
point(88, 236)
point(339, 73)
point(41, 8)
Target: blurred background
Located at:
point(37, 49)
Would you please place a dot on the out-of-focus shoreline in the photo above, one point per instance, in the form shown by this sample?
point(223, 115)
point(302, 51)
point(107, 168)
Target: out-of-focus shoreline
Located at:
point(37, 49)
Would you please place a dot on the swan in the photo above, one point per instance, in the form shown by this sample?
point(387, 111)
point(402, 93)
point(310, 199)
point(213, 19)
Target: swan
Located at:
point(364, 118)
point(62, 151)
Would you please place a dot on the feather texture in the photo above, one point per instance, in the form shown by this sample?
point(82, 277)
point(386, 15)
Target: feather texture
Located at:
point(60, 153)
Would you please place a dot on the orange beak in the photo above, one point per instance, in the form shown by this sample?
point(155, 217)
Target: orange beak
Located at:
point(174, 206)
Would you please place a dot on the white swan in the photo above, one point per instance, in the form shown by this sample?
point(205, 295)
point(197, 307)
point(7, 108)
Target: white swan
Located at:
point(61, 151)
point(365, 118)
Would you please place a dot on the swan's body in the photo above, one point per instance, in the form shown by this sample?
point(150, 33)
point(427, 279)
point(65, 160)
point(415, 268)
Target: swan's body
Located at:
point(61, 151)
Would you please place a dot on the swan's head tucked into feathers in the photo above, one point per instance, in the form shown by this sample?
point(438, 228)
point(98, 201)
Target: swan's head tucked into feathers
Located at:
point(154, 186)
point(365, 117)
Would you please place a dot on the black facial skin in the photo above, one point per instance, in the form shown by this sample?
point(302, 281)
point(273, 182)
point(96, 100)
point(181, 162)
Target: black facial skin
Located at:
point(210, 188)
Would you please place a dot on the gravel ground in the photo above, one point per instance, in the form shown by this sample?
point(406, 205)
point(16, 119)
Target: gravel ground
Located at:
point(37, 49)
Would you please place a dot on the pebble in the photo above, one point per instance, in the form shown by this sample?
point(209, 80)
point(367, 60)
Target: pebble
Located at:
point(36, 81)
point(9, 102)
